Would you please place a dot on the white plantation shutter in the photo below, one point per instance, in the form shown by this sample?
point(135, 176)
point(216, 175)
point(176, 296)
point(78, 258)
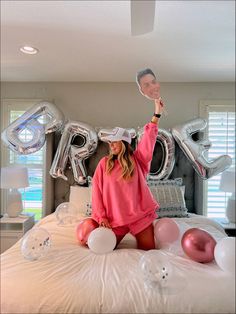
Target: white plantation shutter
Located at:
point(221, 133)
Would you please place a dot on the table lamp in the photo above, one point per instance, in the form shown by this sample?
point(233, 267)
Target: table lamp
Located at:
point(227, 184)
point(13, 178)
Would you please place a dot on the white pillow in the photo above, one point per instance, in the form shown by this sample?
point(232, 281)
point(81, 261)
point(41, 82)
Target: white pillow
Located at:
point(80, 197)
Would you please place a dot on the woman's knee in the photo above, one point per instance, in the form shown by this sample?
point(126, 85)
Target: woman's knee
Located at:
point(145, 239)
point(118, 239)
point(146, 246)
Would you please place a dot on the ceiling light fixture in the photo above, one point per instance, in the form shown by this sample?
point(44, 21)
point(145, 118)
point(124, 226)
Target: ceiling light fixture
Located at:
point(29, 50)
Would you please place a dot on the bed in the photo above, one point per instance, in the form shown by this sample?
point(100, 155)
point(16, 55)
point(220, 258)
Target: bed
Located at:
point(72, 279)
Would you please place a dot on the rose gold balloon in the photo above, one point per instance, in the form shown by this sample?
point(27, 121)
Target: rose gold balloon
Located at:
point(166, 231)
point(199, 245)
point(84, 228)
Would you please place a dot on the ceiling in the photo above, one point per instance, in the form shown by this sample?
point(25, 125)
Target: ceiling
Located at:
point(192, 41)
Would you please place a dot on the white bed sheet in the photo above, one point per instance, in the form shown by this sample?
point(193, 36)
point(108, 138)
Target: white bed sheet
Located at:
point(72, 279)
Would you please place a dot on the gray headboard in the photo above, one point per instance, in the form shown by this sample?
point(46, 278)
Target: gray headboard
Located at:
point(193, 183)
point(182, 169)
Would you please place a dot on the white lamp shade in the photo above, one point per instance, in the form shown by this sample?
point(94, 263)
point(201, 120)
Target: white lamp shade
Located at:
point(227, 182)
point(14, 177)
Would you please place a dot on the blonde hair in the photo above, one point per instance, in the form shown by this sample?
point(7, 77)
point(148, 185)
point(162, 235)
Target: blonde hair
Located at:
point(126, 162)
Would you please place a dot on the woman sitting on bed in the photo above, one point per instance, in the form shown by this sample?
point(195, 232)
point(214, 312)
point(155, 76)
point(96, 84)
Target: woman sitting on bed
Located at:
point(121, 199)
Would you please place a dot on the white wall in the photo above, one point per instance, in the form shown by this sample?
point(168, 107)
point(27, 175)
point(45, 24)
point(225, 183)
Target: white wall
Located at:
point(120, 104)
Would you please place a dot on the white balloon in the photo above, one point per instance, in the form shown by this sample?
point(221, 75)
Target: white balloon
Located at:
point(224, 253)
point(102, 240)
point(36, 243)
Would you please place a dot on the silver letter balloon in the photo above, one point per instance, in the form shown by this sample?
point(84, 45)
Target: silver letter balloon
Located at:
point(195, 150)
point(40, 119)
point(85, 138)
point(166, 142)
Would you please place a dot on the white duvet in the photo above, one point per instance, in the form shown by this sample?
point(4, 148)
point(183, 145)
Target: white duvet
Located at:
point(72, 279)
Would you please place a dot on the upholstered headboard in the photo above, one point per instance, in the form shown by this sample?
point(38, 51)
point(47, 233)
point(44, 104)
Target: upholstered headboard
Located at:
point(182, 169)
point(193, 183)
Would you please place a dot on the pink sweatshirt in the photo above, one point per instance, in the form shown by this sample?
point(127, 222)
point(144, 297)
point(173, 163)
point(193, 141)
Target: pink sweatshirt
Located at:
point(123, 202)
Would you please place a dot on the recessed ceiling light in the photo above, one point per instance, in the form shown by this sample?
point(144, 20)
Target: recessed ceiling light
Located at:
point(29, 50)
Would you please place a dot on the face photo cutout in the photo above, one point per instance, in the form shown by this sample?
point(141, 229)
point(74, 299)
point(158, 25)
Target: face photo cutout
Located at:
point(149, 87)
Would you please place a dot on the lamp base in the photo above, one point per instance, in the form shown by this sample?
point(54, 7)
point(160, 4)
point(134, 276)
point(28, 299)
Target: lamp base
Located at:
point(14, 206)
point(230, 210)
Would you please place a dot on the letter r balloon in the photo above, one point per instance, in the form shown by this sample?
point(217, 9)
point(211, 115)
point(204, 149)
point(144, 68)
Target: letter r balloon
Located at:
point(75, 153)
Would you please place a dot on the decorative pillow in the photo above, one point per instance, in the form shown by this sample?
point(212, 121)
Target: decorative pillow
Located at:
point(80, 197)
point(153, 182)
point(171, 200)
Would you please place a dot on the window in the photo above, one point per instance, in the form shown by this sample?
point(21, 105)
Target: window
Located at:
point(33, 197)
point(221, 133)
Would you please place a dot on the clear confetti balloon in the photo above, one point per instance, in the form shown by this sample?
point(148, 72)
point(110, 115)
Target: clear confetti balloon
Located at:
point(156, 269)
point(176, 247)
point(36, 243)
point(66, 213)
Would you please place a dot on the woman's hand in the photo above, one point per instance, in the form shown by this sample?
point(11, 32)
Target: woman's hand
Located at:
point(105, 223)
point(159, 105)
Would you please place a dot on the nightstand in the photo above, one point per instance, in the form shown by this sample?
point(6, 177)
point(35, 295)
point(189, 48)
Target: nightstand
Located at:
point(229, 227)
point(12, 229)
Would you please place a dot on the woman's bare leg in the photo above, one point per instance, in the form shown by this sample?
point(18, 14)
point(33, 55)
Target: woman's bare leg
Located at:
point(118, 239)
point(145, 238)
